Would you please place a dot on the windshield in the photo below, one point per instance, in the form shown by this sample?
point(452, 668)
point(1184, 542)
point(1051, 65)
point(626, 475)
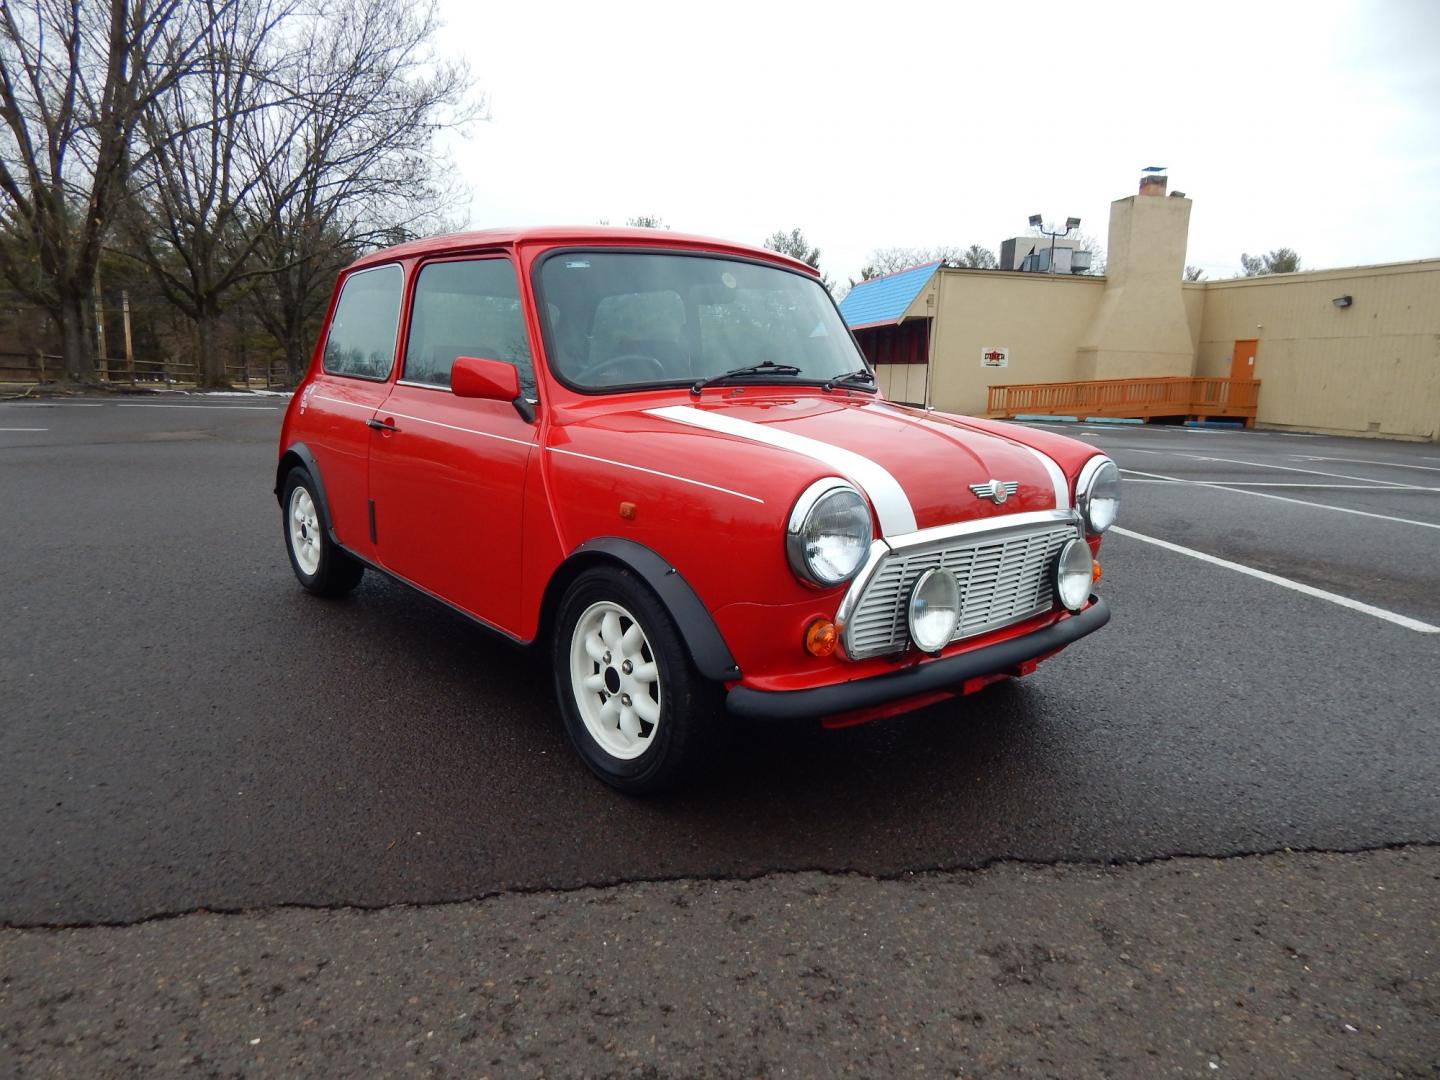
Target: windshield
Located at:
point(622, 319)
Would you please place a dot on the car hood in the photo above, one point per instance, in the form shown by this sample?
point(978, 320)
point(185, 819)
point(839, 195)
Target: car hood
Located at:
point(916, 467)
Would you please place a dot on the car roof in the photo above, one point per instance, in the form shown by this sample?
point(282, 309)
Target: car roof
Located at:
point(608, 235)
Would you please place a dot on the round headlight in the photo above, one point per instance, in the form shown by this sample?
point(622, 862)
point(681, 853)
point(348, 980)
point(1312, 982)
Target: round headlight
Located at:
point(1098, 494)
point(934, 609)
point(829, 533)
point(1073, 574)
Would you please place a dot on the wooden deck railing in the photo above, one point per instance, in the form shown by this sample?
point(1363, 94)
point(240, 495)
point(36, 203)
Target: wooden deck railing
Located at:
point(1143, 398)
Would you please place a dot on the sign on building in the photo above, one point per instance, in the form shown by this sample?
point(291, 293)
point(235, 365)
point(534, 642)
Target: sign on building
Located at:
point(993, 356)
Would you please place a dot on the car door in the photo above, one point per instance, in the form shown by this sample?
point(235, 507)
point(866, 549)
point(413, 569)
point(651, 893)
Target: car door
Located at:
point(447, 474)
point(340, 400)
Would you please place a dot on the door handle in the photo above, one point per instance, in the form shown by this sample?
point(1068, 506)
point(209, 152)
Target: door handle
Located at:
point(381, 425)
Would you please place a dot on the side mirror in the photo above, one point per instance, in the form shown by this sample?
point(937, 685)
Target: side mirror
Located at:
point(494, 380)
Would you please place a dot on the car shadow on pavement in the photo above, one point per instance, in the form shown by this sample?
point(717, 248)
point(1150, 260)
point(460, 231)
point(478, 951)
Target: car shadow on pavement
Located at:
point(475, 722)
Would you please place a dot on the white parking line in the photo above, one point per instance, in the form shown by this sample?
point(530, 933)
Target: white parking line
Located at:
point(55, 404)
point(24, 429)
point(1368, 461)
point(1310, 486)
point(1284, 582)
point(1286, 498)
point(1291, 468)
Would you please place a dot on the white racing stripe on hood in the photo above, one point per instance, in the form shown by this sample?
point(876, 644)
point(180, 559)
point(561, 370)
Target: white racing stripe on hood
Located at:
point(1057, 477)
point(891, 503)
point(1056, 474)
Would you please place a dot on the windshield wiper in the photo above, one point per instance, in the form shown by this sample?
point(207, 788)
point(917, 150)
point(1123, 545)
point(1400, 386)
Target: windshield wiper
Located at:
point(768, 367)
point(863, 375)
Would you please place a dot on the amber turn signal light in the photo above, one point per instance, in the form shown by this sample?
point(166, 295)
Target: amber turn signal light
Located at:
point(820, 638)
point(1094, 570)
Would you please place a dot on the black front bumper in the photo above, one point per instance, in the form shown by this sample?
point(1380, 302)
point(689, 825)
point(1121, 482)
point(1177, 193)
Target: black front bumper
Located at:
point(918, 679)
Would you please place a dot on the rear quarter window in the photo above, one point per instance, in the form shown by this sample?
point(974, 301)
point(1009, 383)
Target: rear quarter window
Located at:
point(361, 340)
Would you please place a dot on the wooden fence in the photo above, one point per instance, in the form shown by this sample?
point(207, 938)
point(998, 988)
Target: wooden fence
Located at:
point(1143, 398)
point(44, 367)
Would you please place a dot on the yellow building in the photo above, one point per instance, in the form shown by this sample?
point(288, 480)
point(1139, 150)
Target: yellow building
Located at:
point(1354, 351)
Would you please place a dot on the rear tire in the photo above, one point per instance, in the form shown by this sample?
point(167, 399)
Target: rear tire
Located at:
point(638, 713)
point(322, 566)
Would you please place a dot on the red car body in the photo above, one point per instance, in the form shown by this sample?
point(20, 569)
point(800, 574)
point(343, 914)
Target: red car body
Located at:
point(493, 506)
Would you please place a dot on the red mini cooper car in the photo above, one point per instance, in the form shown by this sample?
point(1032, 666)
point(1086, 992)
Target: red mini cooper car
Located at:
point(665, 459)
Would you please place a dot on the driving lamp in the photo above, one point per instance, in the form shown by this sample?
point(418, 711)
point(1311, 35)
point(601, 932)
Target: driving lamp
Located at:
point(1074, 573)
point(934, 609)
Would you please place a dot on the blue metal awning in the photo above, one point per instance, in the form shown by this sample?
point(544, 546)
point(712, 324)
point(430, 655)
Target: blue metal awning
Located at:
point(883, 301)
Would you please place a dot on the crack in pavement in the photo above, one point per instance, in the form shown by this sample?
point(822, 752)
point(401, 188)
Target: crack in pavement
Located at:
point(971, 867)
point(1260, 964)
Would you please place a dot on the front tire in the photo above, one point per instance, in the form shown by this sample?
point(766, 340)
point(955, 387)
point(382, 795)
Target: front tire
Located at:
point(635, 709)
point(321, 565)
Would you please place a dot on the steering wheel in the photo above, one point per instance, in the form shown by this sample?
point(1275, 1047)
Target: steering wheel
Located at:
point(594, 371)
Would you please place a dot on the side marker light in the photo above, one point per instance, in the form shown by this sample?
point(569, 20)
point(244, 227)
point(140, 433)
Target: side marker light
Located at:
point(820, 638)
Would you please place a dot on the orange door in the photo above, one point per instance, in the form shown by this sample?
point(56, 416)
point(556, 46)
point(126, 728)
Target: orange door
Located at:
point(1242, 360)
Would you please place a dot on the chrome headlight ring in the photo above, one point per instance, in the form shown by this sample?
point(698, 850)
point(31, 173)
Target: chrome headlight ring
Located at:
point(1097, 494)
point(827, 538)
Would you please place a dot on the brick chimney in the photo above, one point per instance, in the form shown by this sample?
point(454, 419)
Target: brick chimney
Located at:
point(1153, 184)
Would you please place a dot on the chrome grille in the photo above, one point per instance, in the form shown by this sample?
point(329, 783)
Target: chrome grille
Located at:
point(1004, 577)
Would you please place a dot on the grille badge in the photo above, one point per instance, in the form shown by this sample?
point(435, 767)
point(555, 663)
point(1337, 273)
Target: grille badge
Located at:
point(997, 491)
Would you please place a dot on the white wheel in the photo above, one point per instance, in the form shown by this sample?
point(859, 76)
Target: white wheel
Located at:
point(321, 565)
point(304, 531)
point(615, 680)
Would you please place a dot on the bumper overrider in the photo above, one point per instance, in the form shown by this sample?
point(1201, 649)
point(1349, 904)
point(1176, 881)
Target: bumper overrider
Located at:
point(926, 678)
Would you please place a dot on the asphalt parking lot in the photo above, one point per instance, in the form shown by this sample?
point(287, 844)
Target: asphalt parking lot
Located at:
point(184, 730)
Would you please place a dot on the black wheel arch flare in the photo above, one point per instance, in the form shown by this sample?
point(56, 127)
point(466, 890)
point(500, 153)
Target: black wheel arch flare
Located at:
point(299, 454)
point(702, 637)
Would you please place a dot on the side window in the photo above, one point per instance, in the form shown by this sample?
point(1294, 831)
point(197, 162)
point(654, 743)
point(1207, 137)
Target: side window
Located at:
point(469, 308)
point(362, 333)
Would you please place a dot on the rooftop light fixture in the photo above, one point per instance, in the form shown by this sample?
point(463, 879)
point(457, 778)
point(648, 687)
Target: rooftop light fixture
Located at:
point(1038, 223)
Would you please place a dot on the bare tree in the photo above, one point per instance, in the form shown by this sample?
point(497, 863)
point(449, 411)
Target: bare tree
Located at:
point(75, 78)
point(210, 140)
point(891, 260)
point(646, 221)
point(1193, 273)
point(362, 171)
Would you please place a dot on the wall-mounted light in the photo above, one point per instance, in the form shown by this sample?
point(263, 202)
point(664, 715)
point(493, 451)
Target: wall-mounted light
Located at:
point(1343, 301)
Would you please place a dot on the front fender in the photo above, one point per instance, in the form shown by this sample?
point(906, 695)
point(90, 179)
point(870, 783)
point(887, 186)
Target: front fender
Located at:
point(707, 648)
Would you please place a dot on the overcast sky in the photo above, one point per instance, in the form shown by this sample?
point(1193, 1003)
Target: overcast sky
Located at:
point(1308, 125)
